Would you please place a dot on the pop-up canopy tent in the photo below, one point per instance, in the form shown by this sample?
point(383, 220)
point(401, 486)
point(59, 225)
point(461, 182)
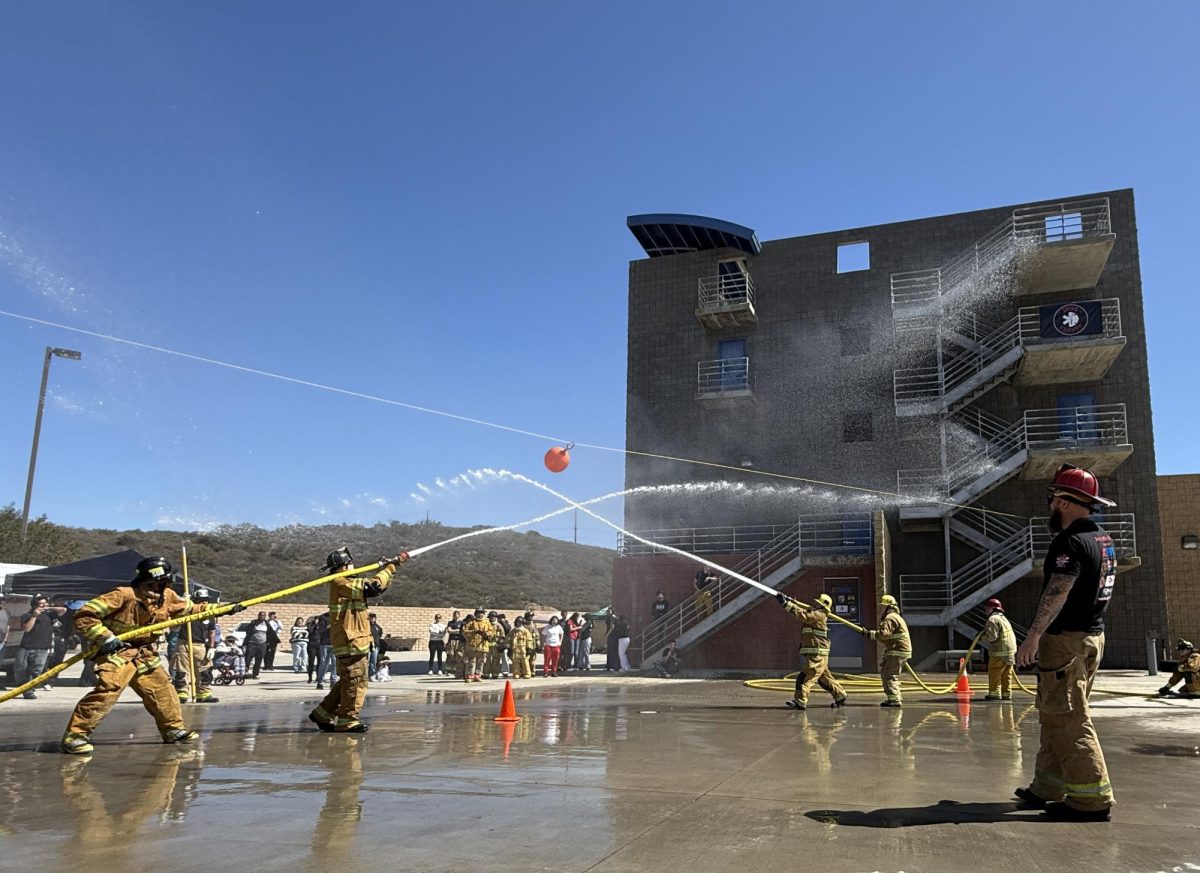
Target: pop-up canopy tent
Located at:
point(83, 580)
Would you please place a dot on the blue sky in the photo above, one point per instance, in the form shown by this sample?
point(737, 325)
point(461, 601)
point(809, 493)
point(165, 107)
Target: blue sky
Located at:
point(427, 203)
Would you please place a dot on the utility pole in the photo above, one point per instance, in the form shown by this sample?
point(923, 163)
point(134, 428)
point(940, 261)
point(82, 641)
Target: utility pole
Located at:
point(577, 526)
point(51, 352)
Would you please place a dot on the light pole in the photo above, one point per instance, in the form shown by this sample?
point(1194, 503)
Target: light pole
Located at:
point(51, 352)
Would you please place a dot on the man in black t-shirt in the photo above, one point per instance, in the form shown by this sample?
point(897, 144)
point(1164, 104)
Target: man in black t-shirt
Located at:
point(1066, 642)
point(659, 607)
point(37, 629)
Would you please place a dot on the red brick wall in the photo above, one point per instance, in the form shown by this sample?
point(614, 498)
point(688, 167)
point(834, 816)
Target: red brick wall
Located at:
point(764, 638)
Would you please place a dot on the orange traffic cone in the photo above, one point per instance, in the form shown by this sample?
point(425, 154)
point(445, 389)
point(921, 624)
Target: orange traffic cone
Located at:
point(964, 684)
point(508, 709)
point(507, 729)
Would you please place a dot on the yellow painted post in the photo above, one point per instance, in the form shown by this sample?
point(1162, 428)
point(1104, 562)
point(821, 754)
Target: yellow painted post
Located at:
point(187, 629)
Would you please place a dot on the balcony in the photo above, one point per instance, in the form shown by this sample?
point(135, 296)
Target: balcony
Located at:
point(726, 300)
point(1040, 345)
point(1095, 437)
point(1037, 250)
point(725, 377)
point(1067, 245)
point(1069, 342)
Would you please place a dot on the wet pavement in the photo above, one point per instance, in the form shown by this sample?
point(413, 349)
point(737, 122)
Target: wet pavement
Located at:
point(623, 776)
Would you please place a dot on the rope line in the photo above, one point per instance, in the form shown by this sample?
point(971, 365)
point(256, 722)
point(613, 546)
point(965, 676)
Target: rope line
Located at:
point(482, 422)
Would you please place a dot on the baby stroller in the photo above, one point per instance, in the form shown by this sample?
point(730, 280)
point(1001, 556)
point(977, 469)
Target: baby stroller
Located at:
point(229, 668)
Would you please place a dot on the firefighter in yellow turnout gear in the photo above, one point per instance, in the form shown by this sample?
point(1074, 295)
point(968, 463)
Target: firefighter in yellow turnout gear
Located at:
point(350, 635)
point(814, 650)
point(1002, 652)
point(133, 663)
point(523, 649)
point(479, 634)
point(1187, 672)
point(897, 649)
point(198, 656)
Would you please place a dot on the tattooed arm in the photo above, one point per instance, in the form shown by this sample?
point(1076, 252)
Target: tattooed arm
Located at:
point(1048, 609)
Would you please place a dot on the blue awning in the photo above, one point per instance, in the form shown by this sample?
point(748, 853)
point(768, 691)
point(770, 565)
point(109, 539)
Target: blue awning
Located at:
point(664, 234)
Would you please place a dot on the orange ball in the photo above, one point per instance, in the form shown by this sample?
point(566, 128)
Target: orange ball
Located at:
point(557, 459)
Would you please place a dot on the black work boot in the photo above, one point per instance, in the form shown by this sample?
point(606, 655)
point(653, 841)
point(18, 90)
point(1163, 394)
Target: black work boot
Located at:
point(796, 704)
point(841, 701)
point(1060, 811)
point(1029, 800)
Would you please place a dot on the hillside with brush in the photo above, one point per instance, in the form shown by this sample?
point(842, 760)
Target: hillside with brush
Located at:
point(497, 569)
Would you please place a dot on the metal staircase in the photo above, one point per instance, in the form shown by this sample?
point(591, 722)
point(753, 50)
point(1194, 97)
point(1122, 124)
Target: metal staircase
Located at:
point(957, 357)
point(937, 600)
point(773, 564)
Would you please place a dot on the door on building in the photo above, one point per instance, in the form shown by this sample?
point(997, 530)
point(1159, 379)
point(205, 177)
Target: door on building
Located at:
point(1077, 419)
point(731, 276)
point(734, 369)
point(845, 644)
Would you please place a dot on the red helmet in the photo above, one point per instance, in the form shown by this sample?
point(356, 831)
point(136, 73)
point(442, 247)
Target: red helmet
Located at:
point(994, 604)
point(1078, 485)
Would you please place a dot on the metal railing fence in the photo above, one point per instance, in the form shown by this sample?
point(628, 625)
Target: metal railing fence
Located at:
point(729, 291)
point(722, 375)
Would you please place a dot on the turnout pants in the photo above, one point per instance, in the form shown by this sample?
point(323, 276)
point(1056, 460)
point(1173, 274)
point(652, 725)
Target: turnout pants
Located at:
point(344, 701)
point(1000, 677)
point(139, 669)
point(1070, 763)
point(181, 665)
point(473, 663)
point(454, 658)
point(814, 670)
point(522, 666)
point(889, 671)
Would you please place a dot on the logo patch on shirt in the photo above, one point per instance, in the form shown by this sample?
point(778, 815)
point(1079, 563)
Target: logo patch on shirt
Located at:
point(1062, 560)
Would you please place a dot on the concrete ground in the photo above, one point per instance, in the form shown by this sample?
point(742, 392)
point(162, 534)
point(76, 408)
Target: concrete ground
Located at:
point(603, 773)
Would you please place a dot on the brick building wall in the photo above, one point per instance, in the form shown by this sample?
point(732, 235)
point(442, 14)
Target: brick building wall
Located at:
point(824, 349)
point(1179, 509)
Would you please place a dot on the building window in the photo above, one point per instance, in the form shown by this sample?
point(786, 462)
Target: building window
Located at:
point(856, 339)
point(853, 257)
point(857, 427)
point(1068, 225)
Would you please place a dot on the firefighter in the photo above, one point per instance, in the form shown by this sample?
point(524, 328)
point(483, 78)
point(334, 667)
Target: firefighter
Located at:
point(897, 649)
point(478, 634)
point(204, 640)
point(497, 666)
point(814, 650)
point(1002, 652)
point(523, 646)
point(1188, 671)
point(147, 600)
point(350, 634)
point(1066, 642)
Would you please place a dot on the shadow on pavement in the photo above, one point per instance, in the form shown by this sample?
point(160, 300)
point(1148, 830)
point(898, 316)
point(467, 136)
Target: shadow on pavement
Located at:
point(942, 812)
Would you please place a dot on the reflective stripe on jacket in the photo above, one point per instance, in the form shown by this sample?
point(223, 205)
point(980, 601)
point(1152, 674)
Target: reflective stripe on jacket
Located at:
point(998, 634)
point(893, 633)
point(349, 627)
point(814, 632)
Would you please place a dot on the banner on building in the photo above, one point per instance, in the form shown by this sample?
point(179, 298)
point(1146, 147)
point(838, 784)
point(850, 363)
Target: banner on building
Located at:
point(1067, 320)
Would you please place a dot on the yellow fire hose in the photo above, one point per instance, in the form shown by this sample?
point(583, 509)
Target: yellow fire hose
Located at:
point(855, 684)
point(185, 619)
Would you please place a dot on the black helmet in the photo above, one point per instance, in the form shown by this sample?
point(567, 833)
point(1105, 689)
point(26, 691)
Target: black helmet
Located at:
point(1184, 645)
point(202, 595)
point(156, 569)
point(493, 614)
point(480, 610)
point(338, 558)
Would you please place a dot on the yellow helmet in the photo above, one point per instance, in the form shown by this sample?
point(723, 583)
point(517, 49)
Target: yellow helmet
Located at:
point(888, 600)
point(825, 601)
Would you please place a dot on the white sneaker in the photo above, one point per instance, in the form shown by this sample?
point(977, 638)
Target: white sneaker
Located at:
point(430, 672)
